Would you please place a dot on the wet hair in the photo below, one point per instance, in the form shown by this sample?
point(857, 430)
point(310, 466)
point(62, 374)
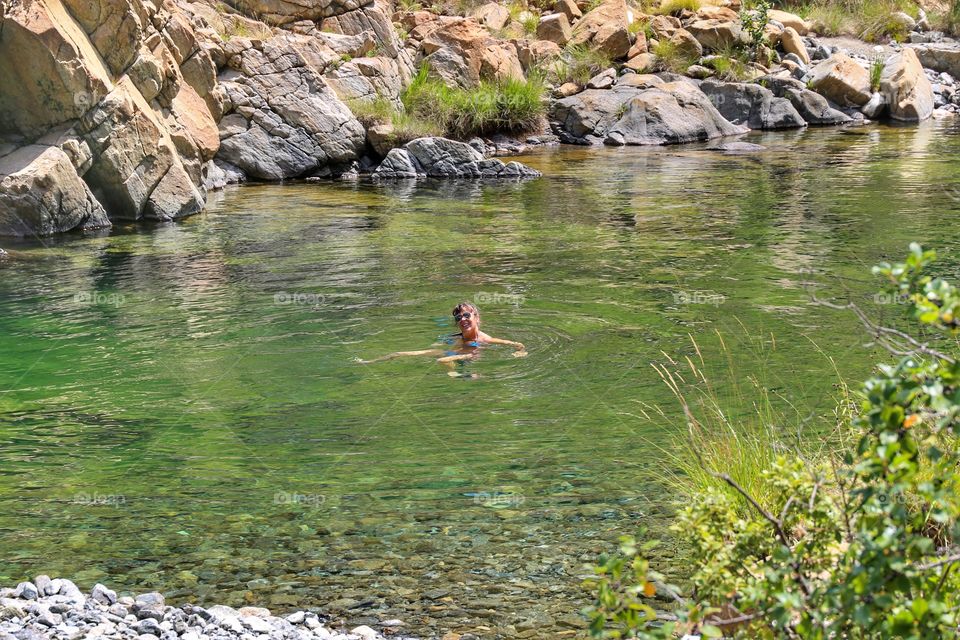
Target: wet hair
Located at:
point(465, 306)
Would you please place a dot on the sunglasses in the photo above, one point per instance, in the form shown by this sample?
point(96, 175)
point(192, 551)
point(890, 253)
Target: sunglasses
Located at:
point(465, 315)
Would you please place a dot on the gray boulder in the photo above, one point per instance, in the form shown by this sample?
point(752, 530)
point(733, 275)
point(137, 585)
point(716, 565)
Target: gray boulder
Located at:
point(443, 158)
point(940, 57)
point(812, 107)
point(752, 105)
point(667, 113)
point(283, 120)
point(41, 193)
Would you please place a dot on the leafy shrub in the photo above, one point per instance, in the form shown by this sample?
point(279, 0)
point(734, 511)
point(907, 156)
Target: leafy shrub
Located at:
point(511, 106)
point(754, 21)
point(859, 545)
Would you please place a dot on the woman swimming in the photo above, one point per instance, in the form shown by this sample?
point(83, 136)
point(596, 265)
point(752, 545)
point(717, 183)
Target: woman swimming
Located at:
point(466, 344)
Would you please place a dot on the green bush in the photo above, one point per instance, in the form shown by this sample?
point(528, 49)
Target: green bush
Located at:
point(860, 545)
point(511, 106)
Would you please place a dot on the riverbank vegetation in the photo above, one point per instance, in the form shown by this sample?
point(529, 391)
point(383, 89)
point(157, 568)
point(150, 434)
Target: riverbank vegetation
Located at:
point(853, 540)
point(433, 108)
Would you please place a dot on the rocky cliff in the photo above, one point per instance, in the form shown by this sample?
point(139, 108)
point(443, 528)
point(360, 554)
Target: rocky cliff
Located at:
point(127, 110)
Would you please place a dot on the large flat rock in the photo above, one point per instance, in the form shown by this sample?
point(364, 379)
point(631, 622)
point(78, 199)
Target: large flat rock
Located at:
point(667, 113)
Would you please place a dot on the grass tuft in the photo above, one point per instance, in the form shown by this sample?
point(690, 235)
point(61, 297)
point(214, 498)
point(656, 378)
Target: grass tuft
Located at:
point(670, 57)
point(674, 7)
point(869, 20)
point(739, 430)
point(579, 63)
point(406, 127)
point(510, 106)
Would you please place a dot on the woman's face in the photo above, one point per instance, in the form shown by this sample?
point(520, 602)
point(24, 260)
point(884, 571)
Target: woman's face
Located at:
point(467, 319)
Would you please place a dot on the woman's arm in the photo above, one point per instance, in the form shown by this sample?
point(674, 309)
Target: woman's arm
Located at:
point(518, 349)
point(402, 354)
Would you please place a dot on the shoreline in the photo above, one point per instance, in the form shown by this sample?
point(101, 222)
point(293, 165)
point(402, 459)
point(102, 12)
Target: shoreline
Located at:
point(57, 609)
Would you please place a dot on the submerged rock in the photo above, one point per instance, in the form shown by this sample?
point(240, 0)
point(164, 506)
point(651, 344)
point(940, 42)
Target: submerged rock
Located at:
point(737, 148)
point(443, 158)
point(650, 114)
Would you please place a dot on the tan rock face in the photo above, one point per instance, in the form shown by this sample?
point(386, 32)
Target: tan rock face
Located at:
point(795, 22)
point(723, 14)
point(132, 153)
point(54, 75)
point(554, 27)
point(491, 15)
point(570, 9)
point(842, 80)
point(665, 26)
point(111, 69)
point(41, 194)
point(716, 34)
point(462, 52)
point(606, 28)
point(537, 53)
point(641, 63)
point(906, 88)
point(792, 43)
point(686, 44)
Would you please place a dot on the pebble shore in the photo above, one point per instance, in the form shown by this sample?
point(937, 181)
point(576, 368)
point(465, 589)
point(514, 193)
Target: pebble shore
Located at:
point(56, 609)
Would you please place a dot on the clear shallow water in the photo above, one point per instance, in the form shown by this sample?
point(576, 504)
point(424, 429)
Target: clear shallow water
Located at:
point(179, 409)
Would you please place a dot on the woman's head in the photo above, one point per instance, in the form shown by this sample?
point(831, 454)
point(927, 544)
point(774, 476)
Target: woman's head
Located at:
point(467, 316)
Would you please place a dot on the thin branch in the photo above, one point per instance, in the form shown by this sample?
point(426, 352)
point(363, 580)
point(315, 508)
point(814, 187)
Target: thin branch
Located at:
point(938, 563)
point(882, 334)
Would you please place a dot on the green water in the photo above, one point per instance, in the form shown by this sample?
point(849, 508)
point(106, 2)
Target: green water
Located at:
point(179, 409)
